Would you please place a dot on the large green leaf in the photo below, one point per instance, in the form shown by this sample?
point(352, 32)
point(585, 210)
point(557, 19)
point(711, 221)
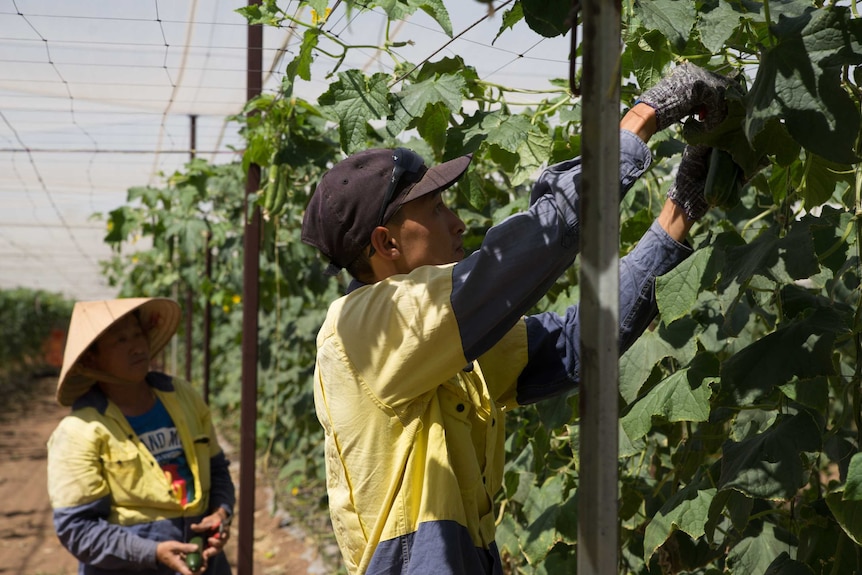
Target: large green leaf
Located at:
point(769, 465)
point(509, 132)
point(677, 290)
point(402, 9)
point(820, 179)
point(848, 513)
point(832, 232)
point(411, 103)
point(756, 552)
point(853, 485)
point(532, 153)
point(549, 19)
point(687, 511)
point(647, 56)
point(354, 100)
point(797, 259)
point(542, 509)
point(738, 508)
point(802, 349)
point(799, 79)
point(813, 393)
point(755, 257)
point(434, 125)
point(301, 64)
point(784, 565)
point(673, 18)
point(683, 396)
point(667, 341)
point(510, 17)
point(717, 23)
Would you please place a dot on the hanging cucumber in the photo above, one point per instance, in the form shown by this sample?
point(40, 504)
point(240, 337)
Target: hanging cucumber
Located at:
point(723, 180)
point(269, 189)
point(282, 172)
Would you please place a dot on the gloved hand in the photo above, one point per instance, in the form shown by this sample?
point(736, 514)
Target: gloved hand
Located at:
point(687, 188)
point(689, 89)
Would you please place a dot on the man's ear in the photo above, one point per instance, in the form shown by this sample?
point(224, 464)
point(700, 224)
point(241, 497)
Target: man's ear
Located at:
point(384, 244)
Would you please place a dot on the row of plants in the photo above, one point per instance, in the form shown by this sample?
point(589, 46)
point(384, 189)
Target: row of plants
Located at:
point(33, 330)
point(739, 409)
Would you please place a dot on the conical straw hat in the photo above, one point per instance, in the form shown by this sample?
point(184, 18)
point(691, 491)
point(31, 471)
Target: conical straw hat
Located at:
point(90, 319)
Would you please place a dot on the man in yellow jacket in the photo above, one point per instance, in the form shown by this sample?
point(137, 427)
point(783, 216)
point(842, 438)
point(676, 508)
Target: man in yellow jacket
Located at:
point(418, 363)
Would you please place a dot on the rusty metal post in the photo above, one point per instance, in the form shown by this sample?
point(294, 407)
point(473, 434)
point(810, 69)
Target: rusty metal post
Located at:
point(208, 319)
point(251, 268)
point(190, 295)
point(598, 522)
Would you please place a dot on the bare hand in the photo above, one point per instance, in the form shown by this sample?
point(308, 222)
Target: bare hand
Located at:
point(173, 555)
point(217, 528)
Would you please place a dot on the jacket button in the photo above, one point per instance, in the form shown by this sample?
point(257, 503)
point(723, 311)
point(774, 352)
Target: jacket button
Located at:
point(460, 407)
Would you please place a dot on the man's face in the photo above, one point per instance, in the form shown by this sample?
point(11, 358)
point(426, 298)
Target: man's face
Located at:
point(429, 233)
point(123, 351)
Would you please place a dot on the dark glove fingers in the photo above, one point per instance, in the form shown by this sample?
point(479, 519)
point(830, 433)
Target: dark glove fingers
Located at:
point(688, 90)
point(688, 186)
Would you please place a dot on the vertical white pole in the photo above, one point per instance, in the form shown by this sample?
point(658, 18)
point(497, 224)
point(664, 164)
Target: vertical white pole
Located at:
point(598, 523)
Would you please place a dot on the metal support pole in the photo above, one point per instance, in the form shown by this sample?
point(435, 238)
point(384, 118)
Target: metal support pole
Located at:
point(598, 522)
point(251, 268)
point(208, 272)
point(190, 296)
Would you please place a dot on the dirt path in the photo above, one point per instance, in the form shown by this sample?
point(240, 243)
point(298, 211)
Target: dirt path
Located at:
point(28, 545)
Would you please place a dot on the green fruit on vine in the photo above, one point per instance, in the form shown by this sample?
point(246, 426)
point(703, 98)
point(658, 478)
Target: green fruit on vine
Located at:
point(723, 180)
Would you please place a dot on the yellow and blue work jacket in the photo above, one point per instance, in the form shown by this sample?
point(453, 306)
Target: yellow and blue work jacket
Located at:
point(112, 501)
point(414, 373)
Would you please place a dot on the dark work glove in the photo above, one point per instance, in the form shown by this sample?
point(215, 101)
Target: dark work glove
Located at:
point(687, 90)
point(687, 188)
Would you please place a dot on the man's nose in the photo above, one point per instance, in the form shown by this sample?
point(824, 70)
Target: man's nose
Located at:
point(458, 224)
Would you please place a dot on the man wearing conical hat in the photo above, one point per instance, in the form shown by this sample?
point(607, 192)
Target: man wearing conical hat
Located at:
point(135, 470)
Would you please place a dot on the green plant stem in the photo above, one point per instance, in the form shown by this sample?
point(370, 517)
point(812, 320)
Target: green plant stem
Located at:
point(756, 219)
point(768, 512)
point(841, 241)
point(549, 111)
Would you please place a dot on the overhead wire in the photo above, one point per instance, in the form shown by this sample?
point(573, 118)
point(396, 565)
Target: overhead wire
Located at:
point(17, 136)
point(174, 85)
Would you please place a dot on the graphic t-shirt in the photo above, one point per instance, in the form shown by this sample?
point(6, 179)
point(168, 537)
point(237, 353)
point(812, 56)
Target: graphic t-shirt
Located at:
point(157, 431)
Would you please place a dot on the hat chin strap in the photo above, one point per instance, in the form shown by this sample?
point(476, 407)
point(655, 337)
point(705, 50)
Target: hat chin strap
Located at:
point(101, 376)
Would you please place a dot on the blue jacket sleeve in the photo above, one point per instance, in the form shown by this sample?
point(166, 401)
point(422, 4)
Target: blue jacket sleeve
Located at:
point(522, 256)
point(86, 533)
point(222, 491)
point(553, 340)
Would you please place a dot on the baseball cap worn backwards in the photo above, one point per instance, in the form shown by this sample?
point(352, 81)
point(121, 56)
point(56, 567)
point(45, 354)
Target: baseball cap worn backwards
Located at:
point(362, 192)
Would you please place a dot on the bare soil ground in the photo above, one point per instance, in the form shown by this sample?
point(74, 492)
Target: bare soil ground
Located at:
point(28, 545)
